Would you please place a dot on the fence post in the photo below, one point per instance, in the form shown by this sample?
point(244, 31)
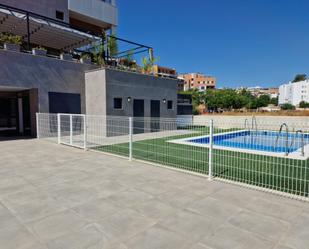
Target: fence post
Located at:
point(130, 138)
point(71, 129)
point(37, 126)
point(59, 128)
point(85, 132)
point(211, 131)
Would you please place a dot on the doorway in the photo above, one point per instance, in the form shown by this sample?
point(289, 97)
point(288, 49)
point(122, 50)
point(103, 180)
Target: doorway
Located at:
point(138, 116)
point(155, 115)
point(15, 117)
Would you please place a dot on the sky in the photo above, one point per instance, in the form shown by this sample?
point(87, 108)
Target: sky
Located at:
point(240, 42)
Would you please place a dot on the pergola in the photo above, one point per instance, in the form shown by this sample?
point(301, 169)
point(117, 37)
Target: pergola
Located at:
point(43, 31)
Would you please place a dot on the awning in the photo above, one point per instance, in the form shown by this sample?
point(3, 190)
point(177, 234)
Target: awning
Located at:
point(44, 32)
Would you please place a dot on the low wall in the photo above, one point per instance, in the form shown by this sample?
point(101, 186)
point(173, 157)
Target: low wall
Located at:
point(263, 122)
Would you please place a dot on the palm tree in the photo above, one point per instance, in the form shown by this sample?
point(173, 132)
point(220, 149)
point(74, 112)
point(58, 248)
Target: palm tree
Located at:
point(112, 46)
point(147, 64)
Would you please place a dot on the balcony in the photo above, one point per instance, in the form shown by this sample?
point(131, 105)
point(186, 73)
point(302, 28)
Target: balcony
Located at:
point(100, 13)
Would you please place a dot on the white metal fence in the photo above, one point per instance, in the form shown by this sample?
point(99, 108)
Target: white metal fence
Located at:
point(254, 151)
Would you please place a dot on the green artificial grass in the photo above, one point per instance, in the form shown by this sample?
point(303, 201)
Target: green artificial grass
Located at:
point(282, 174)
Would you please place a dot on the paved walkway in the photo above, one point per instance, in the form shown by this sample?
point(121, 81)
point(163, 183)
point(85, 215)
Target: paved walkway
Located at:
point(58, 197)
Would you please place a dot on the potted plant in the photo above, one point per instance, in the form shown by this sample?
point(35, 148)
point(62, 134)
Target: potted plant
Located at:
point(147, 65)
point(66, 57)
point(10, 41)
point(85, 58)
point(41, 51)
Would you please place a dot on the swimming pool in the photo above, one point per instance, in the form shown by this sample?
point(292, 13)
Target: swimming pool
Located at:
point(257, 142)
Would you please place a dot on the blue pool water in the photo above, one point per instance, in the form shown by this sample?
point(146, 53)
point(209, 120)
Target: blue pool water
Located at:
point(256, 140)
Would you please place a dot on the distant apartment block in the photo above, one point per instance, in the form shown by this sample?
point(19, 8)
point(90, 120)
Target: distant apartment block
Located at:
point(257, 91)
point(294, 92)
point(197, 81)
point(164, 71)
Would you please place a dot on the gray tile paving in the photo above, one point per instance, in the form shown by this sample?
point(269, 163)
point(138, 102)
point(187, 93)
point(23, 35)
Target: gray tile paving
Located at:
point(56, 197)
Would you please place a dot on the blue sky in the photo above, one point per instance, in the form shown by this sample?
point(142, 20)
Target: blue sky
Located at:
point(240, 42)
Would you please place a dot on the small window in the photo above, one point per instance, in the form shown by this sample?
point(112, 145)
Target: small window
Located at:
point(169, 104)
point(118, 103)
point(59, 15)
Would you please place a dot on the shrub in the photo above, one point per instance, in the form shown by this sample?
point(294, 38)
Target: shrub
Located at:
point(287, 106)
point(40, 48)
point(10, 38)
point(304, 104)
point(85, 56)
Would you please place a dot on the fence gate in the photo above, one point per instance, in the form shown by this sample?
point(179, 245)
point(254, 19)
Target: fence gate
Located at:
point(72, 130)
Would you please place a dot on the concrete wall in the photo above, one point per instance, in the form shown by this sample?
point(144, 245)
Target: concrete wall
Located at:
point(27, 71)
point(43, 7)
point(95, 93)
point(121, 84)
point(97, 10)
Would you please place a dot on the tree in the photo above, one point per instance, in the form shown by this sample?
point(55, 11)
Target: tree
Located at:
point(97, 53)
point(274, 101)
point(287, 106)
point(263, 100)
point(112, 46)
point(304, 104)
point(299, 77)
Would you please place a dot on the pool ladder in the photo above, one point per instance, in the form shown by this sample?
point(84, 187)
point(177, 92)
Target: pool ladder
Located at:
point(254, 126)
point(287, 146)
point(302, 141)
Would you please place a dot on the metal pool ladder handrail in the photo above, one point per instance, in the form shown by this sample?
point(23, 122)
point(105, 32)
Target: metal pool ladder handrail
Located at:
point(287, 138)
point(246, 125)
point(302, 141)
point(254, 123)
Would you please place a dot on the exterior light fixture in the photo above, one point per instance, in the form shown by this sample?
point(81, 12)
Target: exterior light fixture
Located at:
point(164, 101)
point(129, 99)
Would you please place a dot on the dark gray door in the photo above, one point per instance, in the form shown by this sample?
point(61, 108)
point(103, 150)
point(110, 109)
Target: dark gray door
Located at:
point(138, 116)
point(155, 115)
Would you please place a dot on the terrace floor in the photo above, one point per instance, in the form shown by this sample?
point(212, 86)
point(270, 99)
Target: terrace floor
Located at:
point(59, 197)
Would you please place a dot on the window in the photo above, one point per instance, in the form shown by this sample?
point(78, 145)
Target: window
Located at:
point(59, 15)
point(169, 104)
point(118, 103)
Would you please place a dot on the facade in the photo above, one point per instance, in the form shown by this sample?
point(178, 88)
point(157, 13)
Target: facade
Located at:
point(49, 83)
point(197, 81)
point(294, 92)
point(139, 95)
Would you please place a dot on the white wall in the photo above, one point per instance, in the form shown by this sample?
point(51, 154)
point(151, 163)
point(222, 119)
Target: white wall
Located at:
point(294, 93)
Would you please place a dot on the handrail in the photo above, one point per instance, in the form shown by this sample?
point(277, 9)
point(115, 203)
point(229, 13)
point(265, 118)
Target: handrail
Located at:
point(302, 141)
point(245, 126)
point(254, 123)
point(287, 138)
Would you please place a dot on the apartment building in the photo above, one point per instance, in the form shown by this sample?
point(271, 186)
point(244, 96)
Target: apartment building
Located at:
point(197, 81)
point(54, 81)
point(294, 92)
